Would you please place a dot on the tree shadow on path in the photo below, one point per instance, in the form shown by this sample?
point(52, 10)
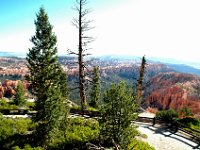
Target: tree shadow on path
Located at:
point(164, 130)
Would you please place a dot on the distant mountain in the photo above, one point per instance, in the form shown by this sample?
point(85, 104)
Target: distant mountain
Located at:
point(118, 57)
point(131, 73)
point(165, 60)
point(12, 54)
point(6, 54)
point(184, 68)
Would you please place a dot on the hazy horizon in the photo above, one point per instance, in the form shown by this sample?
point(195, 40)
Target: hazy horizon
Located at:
point(157, 28)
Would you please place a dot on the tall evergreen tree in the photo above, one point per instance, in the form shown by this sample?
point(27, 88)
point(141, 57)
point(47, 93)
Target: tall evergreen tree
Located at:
point(117, 112)
point(47, 79)
point(19, 97)
point(96, 88)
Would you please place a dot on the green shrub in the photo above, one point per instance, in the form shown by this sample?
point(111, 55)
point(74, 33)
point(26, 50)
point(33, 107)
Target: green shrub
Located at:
point(190, 124)
point(190, 121)
point(23, 125)
point(19, 98)
point(128, 136)
point(3, 102)
point(30, 105)
point(27, 147)
point(92, 109)
point(76, 107)
point(6, 128)
point(167, 115)
point(186, 112)
point(79, 131)
point(14, 107)
point(139, 145)
point(9, 126)
point(7, 105)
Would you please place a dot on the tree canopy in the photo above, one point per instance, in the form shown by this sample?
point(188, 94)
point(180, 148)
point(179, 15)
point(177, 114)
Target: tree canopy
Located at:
point(117, 111)
point(47, 79)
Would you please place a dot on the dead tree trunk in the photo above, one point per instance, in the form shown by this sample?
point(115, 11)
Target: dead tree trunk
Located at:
point(83, 25)
point(80, 59)
point(140, 81)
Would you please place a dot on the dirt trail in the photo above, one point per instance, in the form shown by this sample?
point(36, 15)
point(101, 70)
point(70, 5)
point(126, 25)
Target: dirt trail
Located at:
point(160, 138)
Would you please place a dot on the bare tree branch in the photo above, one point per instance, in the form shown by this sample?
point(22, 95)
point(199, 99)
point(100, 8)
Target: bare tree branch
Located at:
point(75, 23)
point(82, 24)
point(71, 52)
point(86, 54)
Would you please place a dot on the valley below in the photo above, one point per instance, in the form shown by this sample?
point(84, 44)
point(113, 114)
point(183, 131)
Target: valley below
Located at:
point(164, 87)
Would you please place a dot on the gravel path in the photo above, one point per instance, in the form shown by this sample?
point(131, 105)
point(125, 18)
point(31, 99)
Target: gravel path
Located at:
point(160, 138)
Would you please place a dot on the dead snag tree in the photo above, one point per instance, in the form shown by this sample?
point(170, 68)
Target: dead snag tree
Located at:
point(83, 25)
point(141, 81)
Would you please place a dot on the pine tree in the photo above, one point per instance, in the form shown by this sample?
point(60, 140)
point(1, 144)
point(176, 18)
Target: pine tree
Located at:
point(117, 112)
point(19, 97)
point(96, 88)
point(47, 79)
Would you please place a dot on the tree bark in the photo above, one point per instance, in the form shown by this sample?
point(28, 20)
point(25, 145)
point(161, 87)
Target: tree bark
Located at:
point(140, 81)
point(81, 62)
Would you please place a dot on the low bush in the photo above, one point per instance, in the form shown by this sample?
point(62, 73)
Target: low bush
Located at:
point(14, 131)
point(129, 134)
point(81, 131)
point(139, 145)
point(27, 147)
point(30, 105)
point(6, 105)
point(167, 115)
point(6, 128)
point(191, 124)
point(186, 112)
point(16, 134)
point(92, 109)
point(78, 132)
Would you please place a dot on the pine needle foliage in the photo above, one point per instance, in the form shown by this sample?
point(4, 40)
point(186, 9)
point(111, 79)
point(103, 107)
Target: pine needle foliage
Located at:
point(19, 97)
point(47, 79)
point(95, 89)
point(117, 111)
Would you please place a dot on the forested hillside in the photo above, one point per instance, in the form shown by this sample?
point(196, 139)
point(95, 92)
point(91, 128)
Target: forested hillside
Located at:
point(163, 87)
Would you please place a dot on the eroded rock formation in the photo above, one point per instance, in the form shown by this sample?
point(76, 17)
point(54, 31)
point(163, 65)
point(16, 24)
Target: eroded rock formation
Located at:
point(174, 90)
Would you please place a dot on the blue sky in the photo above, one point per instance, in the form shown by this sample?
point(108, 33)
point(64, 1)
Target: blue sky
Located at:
point(155, 28)
point(17, 21)
point(16, 12)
